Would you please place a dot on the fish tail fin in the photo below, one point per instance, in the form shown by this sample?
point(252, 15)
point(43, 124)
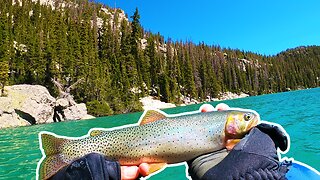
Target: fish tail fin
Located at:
point(52, 162)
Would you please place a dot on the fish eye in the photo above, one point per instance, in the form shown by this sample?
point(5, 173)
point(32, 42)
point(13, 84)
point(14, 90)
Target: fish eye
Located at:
point(248, 116)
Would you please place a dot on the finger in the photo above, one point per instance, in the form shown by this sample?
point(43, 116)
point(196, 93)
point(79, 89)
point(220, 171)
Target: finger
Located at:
point(146, 169)
point(222, 107)
point(202, 164)
point(207, 108)
point(129, 172)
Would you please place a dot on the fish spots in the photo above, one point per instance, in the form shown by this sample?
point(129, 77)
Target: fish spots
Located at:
point(173, 140)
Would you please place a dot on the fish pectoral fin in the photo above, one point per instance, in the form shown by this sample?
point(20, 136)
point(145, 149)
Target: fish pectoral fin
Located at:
point(151, 116)
point(231, 143)
point(146, 169)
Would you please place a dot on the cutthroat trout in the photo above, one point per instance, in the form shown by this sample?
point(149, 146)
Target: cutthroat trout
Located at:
point(157, 139)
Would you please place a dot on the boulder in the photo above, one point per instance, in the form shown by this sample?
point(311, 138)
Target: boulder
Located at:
point(76, 112)
point(24, 105)
point(8, 116)
point(12, 120)
point(62, 102)
point(30, 102)
point(6, 105)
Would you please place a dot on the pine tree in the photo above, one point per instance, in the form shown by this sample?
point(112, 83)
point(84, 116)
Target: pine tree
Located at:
point(173, 73)
point(136, 35)
point(127, 59)
point(188, 76)
point(4, 49)
point(150, 53)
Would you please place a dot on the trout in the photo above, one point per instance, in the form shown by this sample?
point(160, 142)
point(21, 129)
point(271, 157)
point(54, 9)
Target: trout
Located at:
point(157, 139)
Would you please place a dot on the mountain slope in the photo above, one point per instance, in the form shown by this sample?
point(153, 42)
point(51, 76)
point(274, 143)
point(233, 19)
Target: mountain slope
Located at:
point(120, 62)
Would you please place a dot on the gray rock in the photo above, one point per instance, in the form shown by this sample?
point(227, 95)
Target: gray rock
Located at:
point(31, 101)
point(12, 120)
point(62, 102)
point(76, 112)
point(6, 105)
point(33, 104)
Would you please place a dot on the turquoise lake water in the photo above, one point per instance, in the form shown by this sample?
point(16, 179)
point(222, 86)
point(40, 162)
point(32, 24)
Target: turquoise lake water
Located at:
point(297, 111)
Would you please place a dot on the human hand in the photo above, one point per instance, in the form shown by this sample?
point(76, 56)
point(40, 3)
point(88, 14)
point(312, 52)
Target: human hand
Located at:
point(133, 172)
point(255, 157)
point(91, 166)
point(97, 166)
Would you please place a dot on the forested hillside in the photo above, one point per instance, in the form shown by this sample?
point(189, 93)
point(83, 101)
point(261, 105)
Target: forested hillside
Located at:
point(119, 62)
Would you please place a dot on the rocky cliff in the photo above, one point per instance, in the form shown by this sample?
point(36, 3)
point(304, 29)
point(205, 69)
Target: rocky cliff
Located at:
point(22, 105)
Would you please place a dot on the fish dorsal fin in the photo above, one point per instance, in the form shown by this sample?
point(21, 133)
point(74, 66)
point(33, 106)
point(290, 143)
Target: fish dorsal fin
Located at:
point(151, 116)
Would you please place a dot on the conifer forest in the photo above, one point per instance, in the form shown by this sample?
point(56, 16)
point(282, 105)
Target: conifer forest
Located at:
point(119, 62)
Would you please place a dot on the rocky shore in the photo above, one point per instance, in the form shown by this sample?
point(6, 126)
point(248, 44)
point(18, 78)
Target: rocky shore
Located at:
point(150, 102)
point(230, 95)
point(23, 105)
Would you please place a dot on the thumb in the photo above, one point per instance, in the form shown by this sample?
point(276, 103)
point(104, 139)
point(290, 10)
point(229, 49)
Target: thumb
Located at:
point(200, 165)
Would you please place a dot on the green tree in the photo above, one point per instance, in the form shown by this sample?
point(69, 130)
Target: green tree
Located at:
point(188, 76)
point(4, 50)
point(99, 108)
point(135, 41)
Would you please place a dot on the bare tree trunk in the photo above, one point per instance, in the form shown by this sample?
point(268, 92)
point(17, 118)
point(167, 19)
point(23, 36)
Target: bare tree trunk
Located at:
point(2, 89)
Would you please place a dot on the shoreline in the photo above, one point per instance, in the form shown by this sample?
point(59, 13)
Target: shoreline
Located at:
point(150, 102)
point(25, 105)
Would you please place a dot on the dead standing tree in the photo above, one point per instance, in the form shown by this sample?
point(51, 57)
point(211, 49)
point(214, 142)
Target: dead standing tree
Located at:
point(64, 91)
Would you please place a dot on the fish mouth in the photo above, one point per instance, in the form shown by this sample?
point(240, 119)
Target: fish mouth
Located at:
point(238, 125)
point(234, 133)
point(232, 139)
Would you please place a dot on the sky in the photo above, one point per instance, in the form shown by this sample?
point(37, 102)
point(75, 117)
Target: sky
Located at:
point(261, 26)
